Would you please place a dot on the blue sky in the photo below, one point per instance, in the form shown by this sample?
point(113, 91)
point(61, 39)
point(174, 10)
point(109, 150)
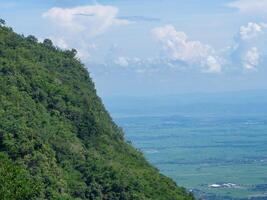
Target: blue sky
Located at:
point(138, 48)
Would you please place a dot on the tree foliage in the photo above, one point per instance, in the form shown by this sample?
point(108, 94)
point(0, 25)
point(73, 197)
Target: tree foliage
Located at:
point(2, 22)
point(57, 141)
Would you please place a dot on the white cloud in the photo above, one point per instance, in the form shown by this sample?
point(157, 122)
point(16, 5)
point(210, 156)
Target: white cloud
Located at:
point(146, 66)
point(75, 27)
point(83, 47)
point(179, 47)
point(250, 6)
point(83, 54)
point(90, 19)
point(249, 46)
point(251, 59)
point(78, 26)
point(60, 42)
point(121, 61)
point(213, 65)
point(252, 30)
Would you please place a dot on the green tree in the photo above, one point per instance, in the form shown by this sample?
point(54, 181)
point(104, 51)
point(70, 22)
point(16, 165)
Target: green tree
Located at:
point(32, 39)
point(15, 182)
point(2, 22)
point(48, 43)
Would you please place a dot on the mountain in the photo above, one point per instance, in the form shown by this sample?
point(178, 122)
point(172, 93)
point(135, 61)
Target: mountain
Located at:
point(57, 141)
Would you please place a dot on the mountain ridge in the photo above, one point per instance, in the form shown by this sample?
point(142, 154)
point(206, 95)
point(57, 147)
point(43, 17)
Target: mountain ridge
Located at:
point(57, 140)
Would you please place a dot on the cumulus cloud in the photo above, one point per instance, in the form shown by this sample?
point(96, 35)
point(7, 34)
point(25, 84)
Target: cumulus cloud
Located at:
point(83, 54)
point(83, 47)
point(77, 26)
point(250, 6)
point(251, 59)
point(249, 45)
point(181, 53)
point(121, 61)
point(252, 30)
point(180, 48)
point(213, 65)
point(90, 19)
point(149, 65)
point(60, 42)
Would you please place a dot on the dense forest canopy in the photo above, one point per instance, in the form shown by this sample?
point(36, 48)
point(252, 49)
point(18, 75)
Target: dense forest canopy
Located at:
point(57, 141)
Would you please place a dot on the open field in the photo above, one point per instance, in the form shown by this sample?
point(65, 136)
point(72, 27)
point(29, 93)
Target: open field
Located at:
point(200, 150)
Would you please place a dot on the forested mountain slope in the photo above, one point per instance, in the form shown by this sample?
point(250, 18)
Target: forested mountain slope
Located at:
point(57, 141)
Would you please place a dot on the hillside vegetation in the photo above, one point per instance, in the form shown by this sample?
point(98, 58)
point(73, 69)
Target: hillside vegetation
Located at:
point(57, 141)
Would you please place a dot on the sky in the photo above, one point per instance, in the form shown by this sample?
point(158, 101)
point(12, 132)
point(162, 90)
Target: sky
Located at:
point(154, 47)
